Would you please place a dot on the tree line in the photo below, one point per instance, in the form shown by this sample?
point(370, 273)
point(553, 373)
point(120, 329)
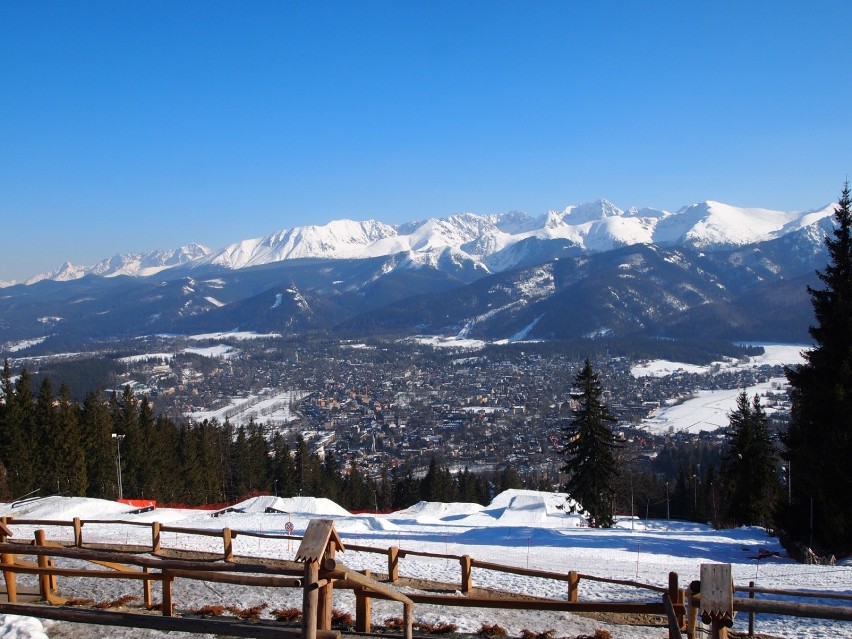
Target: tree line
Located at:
point(50, 444)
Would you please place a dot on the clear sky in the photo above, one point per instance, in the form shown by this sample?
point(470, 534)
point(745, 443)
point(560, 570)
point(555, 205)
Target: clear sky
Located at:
point(130, 126)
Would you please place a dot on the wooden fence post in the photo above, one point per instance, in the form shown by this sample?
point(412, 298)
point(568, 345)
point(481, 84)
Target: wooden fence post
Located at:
point(43, 579)
point(466, 574)
point(146, 589)
point(310, 600)
point(78, 532)
point(168, 604)
point(155, 537)
point(573, 585)
point(694, 602)
point(6, 558)
point(326, 592)
point(393, 564)
point(227, 538)
point(676, 597)
point(407, 621)
point(363, 608)
point(751, 612)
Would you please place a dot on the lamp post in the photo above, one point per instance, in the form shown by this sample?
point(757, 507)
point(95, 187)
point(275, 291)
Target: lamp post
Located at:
point(668, 513)
point(118, 439)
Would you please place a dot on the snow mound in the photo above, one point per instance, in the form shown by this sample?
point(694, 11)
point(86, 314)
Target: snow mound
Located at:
point(436, 510)
point(302, 505)
point(65, 508)
point(524, 509)
point(523, 500)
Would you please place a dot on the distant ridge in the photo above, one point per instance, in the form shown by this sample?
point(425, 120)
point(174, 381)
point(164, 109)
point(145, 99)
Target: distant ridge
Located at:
point(492, 243)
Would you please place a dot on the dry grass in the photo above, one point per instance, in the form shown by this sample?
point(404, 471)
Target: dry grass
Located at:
point(491, 631)
point(547, 634)
point(287, 615)
point(116, 603)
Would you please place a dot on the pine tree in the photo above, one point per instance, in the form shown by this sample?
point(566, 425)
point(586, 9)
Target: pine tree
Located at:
point(133, 449)
point(590, 449)
point(818, 443)
point(70, 453)
point(96, 433)
point(20, 424)
point(47, 443)
point(750, 465)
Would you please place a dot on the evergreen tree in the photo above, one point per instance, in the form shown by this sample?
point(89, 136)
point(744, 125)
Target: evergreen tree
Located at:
point(96, 434)
point(749, 467)
point(590, 449)
point(150, 473)
point(385, 490)
point(20, 425)
point(125, 421)
point(331, 480)
point(818, 443)
point(8, 391)
point(283, 468)
point(70, 453)
point(46, 462)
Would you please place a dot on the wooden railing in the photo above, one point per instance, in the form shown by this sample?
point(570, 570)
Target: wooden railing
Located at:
point(156, 563)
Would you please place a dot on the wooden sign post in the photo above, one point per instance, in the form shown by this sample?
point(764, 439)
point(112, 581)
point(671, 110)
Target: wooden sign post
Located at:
point(319, 543)
point(717, 599)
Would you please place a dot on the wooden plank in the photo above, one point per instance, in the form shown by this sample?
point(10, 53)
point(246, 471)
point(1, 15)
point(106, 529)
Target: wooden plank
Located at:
point(239, 578)
point(814, 594)
point(530, 604)
point(793, 609)
point(224, 627)
point(623, 582)
point(717, 593)
point(335, 570)
point(269, 567)
point(79, 572)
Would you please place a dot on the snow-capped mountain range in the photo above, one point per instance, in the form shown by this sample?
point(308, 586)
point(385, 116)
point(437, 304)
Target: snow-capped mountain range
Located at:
point(709, 271)
point(492, 243)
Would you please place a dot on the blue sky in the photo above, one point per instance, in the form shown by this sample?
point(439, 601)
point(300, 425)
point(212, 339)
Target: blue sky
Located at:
point(130, 126)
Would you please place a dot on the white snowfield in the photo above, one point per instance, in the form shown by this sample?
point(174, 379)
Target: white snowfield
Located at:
point(520, 528)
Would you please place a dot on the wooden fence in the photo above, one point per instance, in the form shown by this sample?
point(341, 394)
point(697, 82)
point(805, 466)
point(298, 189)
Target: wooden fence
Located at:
point(156, 563)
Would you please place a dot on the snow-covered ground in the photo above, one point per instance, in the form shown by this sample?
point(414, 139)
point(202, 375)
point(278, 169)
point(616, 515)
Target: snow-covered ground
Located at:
point(709, 410)
point(520, 528)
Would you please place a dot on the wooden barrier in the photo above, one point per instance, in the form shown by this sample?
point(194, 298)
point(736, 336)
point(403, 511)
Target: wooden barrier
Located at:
point(317, 572)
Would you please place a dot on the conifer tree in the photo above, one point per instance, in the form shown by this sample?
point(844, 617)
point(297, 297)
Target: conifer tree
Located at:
point(125, 421)
point(332, 483)
point(818, 443)
point(590, 449)
point(45, 438)
point(283, 468)
point(749, 468)
point(70, 453)
point(96, 434)
point(20, 424)
point(8, 391)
